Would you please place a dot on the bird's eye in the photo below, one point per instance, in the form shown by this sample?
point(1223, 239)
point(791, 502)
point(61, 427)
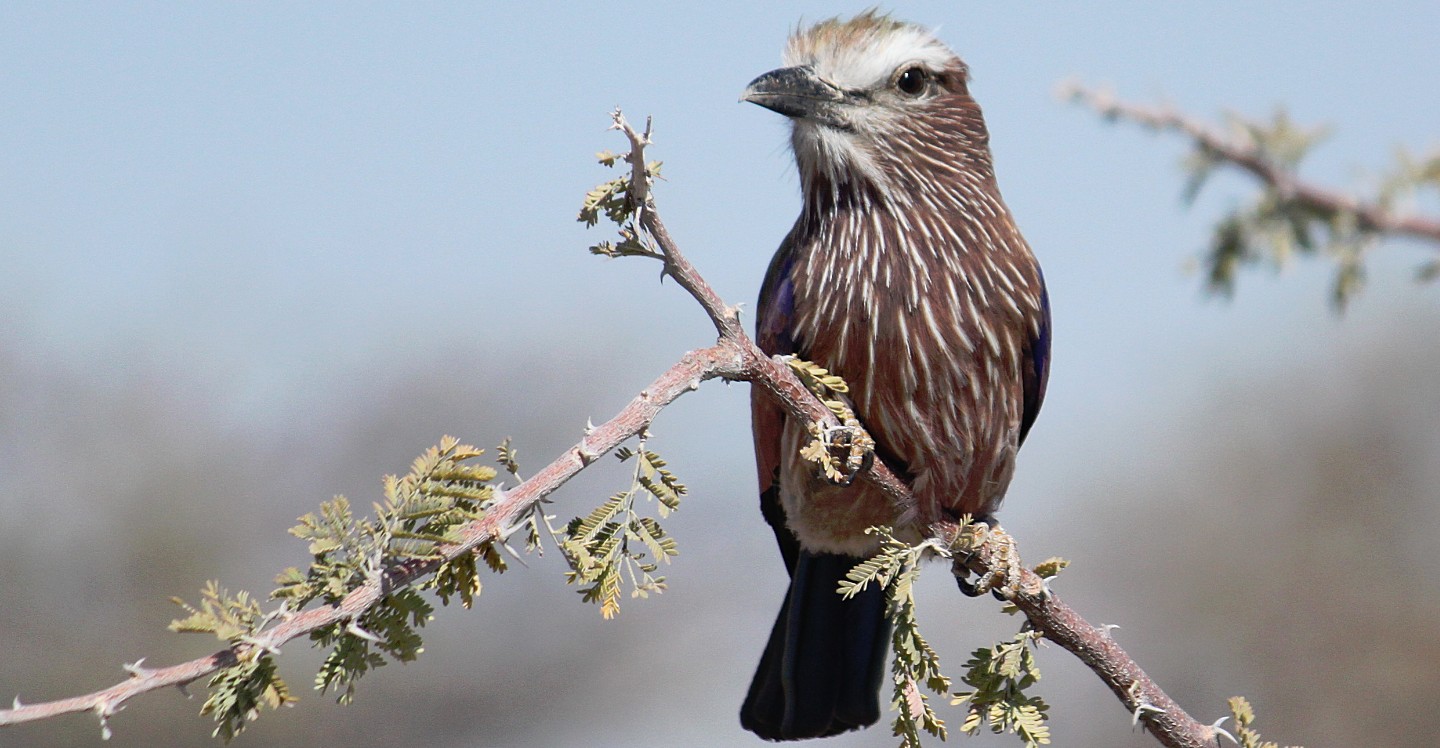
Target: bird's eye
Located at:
point(912, 81)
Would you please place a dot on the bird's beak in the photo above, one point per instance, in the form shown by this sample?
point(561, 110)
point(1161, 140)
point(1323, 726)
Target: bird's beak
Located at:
point(796, 92)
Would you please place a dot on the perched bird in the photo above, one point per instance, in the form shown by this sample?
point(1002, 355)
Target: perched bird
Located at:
point(906, 275)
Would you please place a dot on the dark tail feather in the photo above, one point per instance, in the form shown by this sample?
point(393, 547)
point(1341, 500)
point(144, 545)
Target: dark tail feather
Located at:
point(821, 672)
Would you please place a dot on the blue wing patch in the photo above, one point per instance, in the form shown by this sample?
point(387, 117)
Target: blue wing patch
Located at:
point(1036, 366)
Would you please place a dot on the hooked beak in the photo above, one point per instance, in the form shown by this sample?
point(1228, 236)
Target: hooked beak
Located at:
point(797, 93)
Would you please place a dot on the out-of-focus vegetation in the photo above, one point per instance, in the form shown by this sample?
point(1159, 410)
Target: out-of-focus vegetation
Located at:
point(1278, 545)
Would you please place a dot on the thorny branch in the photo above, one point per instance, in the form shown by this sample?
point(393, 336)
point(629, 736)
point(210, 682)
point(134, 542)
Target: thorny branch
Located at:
point(1248, 157)
point(726, 318)
point(734, 357)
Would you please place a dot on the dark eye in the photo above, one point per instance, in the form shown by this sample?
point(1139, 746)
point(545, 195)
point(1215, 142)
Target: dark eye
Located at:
point(912, 81)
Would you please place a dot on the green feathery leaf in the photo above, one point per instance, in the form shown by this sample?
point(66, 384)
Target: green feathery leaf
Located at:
point(1245, 733)
point(615, 544)
point(998, 677)
point(231, 618)
point(238, 693)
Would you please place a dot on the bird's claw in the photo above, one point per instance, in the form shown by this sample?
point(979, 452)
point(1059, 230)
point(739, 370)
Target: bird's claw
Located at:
point(1004, 573)
point(841, 453)
point(1003, 578)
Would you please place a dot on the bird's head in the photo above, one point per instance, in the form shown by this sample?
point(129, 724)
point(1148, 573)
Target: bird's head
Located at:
point(875, 103)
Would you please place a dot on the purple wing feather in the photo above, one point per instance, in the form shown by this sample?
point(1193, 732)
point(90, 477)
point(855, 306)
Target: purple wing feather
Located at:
point(774, 336)
point(1035, 365)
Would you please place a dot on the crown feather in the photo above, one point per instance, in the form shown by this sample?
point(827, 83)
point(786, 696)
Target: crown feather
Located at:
point(864, 52)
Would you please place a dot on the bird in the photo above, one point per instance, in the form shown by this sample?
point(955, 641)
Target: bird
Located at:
point(905, 274)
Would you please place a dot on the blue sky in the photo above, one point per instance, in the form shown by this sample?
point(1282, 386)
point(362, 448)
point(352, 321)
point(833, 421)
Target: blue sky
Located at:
point(261, 190)
point(270, 205)
point(262, 198)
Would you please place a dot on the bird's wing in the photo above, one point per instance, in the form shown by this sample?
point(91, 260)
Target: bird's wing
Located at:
point(773, 334)
point(1035, 365)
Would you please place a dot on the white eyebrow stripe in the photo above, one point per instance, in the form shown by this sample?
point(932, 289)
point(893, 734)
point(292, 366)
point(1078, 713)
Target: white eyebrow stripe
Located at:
point(868, 61)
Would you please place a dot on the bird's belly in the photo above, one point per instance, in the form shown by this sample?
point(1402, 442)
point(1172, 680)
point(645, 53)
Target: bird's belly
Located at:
point(824, 516)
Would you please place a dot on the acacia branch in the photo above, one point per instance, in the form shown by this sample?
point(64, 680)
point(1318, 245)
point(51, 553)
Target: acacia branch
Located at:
point(725, 359)
point(726, 318)
point(1248, 157)
point(734, 357)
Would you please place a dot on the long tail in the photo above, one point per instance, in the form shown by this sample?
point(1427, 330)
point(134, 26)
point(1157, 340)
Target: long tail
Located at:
point(821, 672)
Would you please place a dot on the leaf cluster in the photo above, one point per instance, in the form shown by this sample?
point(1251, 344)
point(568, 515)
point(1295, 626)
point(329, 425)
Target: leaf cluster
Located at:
point(614, 200)
point(840, 453)
point(896, 567)
point(616, 544)
point(419, 516)
point(232, 618)
point(1281, 223)
point(236, 692)
point(998, 676)
point(420, 513)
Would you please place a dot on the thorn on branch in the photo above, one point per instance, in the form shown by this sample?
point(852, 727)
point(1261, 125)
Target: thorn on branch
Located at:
point(355, 630)
point(1142, 705)
point(104, 710)
point(261, 643)
point(519, 558)
point(1141, 709)
point(1218, 730)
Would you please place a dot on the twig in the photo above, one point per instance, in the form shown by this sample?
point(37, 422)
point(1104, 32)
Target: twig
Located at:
point(726, 318)
point(1245, 155)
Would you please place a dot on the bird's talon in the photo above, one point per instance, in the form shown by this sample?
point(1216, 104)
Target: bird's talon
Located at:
point(842, 453)
point(1003, 576)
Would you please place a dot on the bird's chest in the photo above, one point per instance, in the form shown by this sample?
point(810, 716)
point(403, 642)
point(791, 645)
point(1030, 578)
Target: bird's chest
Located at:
point(932, 364)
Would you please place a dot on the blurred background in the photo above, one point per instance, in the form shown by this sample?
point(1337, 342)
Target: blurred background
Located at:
point(255, 255)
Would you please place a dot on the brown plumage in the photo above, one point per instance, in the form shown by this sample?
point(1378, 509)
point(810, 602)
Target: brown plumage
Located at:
point(906, 275)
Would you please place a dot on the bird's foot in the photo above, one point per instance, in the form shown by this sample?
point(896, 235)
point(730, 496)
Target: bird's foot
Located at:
point(1003, 577)
point(841, 453)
